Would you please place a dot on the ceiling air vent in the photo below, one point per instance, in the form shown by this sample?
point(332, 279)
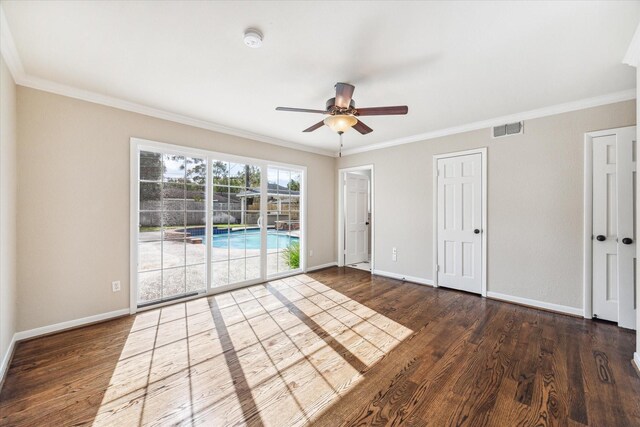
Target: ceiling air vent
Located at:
point(508, 129)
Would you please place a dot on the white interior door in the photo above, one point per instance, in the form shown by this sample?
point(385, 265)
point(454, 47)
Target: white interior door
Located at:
point(356, 218)
point(614, 258)
point(459, 222)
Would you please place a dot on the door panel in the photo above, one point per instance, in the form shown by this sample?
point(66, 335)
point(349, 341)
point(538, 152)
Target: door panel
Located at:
point(283, 221)
point(626, 252)
point(357, 214)
point(459, 214)
point(467, 259)
point(170, 253)
point(235, 209)
point(605, 225)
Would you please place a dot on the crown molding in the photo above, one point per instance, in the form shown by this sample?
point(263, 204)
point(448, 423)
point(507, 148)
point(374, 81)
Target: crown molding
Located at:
point(611, 98)
point(632, 56)
point(96, 98)
point(60, 89)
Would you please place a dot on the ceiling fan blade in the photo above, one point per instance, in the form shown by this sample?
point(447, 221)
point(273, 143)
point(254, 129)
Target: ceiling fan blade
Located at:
point(382, 111)
point(300, 110)
point(362, 128)
point(314, 127)
point(344, 92)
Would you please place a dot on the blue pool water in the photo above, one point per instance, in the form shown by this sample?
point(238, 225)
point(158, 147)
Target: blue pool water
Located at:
point(238, 239)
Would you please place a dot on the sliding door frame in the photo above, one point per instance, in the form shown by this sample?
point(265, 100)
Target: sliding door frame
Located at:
point(139, 144)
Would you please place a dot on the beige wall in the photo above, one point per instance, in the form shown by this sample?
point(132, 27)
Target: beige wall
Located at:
point(73, 225)
point(535, 203)
point(8, 190)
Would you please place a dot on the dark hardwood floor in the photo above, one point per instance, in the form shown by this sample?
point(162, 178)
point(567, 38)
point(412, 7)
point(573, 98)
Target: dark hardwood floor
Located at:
point(334, 347)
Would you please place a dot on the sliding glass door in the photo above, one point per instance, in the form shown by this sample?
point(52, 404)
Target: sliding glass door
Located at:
point(283, 207)
point(206, 222)
point(236, 219)
point(172, 193)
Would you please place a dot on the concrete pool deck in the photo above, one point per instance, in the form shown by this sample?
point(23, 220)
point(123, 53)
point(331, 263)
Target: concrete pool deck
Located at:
point(161, 264)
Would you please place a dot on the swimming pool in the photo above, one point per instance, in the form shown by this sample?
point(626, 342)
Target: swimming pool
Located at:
point(238, 239)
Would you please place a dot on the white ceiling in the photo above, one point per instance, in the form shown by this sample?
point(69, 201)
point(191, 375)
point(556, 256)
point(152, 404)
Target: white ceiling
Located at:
point(452, 63)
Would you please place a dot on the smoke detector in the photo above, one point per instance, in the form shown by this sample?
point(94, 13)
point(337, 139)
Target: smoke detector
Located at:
point(253, 38)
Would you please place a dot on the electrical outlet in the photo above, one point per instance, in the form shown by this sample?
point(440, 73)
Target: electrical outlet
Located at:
point(394, 254)
point(310, 252)
point(115, 286)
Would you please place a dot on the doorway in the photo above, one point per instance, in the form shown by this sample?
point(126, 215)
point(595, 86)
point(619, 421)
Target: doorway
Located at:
point(610, 249)
point(356, 218)
point(460, 218)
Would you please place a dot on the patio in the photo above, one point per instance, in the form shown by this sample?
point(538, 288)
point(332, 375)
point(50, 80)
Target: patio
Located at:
point(172, 267)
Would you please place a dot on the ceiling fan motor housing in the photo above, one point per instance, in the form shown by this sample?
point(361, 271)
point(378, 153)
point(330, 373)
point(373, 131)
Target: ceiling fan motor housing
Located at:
point(331, 103)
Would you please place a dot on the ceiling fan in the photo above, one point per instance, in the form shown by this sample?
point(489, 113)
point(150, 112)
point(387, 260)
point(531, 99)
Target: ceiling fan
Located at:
point(343, 113)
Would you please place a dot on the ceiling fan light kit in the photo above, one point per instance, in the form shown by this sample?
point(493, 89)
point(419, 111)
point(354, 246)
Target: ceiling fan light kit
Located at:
point(340, 123)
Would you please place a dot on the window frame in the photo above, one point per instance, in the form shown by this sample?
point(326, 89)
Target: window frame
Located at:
point(139, 144)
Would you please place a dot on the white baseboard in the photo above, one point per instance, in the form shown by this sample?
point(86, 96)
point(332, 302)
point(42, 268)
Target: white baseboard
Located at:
point(32, 333)
point(320, 267)
point(636, 359)
point(537, 304)
point(6, 359)
point(412, 279)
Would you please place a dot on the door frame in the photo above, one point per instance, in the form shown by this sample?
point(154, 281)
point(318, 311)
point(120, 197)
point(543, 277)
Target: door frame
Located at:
point(587, 276)
point(483, 157)
point(341, 212)
point(137, 144)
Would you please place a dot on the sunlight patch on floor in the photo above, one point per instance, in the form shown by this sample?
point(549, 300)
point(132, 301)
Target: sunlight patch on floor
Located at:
point(278, 354)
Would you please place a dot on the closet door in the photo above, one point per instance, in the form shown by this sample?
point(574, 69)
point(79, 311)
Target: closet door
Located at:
point(613, 244)
point(460, 222)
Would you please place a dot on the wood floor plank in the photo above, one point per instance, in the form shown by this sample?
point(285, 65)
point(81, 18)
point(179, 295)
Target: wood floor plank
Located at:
point(334, 347)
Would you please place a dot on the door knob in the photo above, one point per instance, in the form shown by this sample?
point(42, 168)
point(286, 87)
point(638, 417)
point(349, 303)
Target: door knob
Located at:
point(600, 238)
point(367, 223)
point(627, 241)
point(476, 231)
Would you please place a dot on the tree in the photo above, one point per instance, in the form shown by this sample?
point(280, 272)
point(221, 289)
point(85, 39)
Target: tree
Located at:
point(247, 177)
point(196, 170)
point(220, 173)
point(293, 185)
